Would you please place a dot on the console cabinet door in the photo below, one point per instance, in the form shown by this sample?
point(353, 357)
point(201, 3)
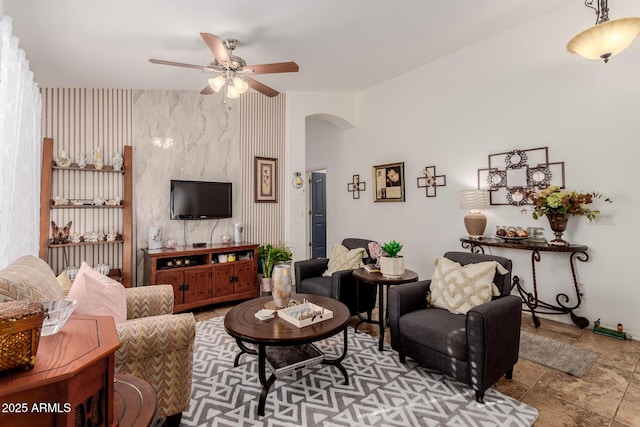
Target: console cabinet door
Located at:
point(198, 283)
point(175, 279)
point(245, 277)
point(222, 279)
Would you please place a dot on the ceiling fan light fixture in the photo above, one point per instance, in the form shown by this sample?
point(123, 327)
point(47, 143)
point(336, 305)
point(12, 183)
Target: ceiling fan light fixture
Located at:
point(216, 83)
point(606, 38)
point(232, 92)
point(240, 85)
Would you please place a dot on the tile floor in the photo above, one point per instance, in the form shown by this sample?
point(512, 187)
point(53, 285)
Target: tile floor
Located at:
point(607, 395)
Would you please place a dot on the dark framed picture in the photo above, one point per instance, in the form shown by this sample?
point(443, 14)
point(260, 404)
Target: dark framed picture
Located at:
point(266, 180)
point(388, 182)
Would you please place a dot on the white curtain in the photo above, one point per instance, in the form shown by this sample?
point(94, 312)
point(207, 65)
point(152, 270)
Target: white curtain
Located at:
point(20, 149)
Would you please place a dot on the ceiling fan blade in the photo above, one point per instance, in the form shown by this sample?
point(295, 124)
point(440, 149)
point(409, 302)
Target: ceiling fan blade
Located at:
point(216, 46)
point(278, 67)
point(176, 64)
point(261, 87)
point(207, 90)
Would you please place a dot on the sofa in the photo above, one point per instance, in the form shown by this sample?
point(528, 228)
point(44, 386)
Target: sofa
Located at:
point(156, 345)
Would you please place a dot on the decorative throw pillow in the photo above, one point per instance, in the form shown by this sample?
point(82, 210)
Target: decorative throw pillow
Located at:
point(98, 294)
point(343, 258)
point(459, 288)
point(65, 283)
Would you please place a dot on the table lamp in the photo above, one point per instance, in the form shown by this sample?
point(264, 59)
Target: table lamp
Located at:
point(475, 221)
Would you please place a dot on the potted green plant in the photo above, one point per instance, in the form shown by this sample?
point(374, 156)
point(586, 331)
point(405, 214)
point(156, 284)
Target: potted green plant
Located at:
point(391, 262)
point(270, 255)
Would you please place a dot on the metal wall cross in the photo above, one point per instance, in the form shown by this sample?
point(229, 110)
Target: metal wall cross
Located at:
point(430, 181)
point(355, 186)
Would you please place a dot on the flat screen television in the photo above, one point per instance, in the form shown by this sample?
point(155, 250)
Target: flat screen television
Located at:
point(200, 200)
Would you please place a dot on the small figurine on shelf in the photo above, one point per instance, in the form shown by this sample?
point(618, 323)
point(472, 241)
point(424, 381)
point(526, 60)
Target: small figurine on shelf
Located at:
point(82, 161)
point(60, 237)
point(98, 163)
point(620, 328)
point(118, 161)
point(63, 160)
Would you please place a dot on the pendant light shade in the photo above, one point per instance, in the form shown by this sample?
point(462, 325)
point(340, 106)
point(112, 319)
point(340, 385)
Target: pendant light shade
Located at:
point(605, 40)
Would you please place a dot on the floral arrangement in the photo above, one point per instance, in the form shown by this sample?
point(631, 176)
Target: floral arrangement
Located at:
point(552, 200)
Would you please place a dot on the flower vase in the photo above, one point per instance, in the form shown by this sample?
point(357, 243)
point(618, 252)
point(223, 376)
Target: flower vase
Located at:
point(281, 285)
point(558, 224)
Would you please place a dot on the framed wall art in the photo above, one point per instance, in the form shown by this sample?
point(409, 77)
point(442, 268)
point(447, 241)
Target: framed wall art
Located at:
point(388, 182)
point(356, 186)
point(266, 180)
point(430, 181)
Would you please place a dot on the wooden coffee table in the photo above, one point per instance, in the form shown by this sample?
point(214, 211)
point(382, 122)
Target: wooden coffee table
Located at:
point(240, 322)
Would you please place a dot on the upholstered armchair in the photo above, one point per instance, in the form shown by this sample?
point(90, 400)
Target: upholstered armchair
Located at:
point(476, 348)
point(341, 285)
point(157, 345)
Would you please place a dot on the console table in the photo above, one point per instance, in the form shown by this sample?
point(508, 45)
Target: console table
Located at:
point(534, 304)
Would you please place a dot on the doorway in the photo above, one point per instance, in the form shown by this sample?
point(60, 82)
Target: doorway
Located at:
point(318, 214)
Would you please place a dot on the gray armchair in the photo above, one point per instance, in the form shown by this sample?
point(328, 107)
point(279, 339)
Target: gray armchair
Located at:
point(476, 348)
point(341, 285)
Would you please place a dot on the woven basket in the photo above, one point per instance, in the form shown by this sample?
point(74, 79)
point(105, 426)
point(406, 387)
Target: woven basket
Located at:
point(20, 324)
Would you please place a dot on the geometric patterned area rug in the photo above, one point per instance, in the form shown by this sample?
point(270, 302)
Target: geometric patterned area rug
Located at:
point(381, 390)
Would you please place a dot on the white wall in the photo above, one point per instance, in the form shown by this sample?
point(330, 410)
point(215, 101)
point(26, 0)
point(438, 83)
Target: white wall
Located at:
point(517, 90)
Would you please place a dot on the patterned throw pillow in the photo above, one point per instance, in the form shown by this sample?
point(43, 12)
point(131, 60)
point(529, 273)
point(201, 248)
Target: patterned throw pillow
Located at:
point(343, 258)
point(459, 288)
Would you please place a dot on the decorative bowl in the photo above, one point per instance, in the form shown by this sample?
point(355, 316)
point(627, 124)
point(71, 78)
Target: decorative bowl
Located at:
point(57, 314)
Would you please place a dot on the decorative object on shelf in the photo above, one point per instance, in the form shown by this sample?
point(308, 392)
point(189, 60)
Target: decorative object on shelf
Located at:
point(118, 161)
point(71, 272)
point(112, 236)
point(606, 38)
point(82, 160)
point(375, 252)
point(75, 237)
point(171, 243)
point(391, 263)
point(265, 180)
point(102, 268)
point(512, 175)
point(281, 285)
point(94, 237)
point(63, 160)
point(98, 201)
point(238, 228)
point(60, 237)
point(388, 182)
point(297, 180)
point(475, 221)
point(113, 202)
point(98, 162)
point(355, 186)
point(226, 238)
point(59, 201)
point(430, 181)
point(557, 205)
point(155, 237)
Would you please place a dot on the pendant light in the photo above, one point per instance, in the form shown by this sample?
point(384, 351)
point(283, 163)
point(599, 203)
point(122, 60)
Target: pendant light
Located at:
point(606, 38)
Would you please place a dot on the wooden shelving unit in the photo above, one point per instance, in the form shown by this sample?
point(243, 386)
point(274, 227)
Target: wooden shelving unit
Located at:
point(46, 206)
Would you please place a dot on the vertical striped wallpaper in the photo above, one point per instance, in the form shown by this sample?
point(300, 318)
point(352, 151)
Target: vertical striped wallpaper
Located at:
point(262, 134)
point(80, 121)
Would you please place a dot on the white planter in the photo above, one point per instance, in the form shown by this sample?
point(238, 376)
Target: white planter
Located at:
point(392, 267)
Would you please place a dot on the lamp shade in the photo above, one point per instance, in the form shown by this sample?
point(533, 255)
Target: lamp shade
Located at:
point(605, 40)
point(475, 221)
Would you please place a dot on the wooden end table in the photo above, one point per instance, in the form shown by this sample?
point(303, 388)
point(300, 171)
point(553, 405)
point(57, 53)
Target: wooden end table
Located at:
point(240, 322)
point(135, 400)
point(377, 279)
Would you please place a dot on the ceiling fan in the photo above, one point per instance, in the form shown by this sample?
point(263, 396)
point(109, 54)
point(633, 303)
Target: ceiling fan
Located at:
point(233, 70)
